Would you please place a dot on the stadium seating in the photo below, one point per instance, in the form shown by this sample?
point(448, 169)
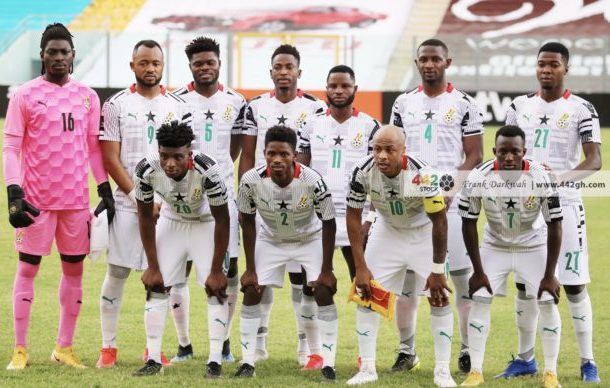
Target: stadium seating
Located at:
point(113, 15)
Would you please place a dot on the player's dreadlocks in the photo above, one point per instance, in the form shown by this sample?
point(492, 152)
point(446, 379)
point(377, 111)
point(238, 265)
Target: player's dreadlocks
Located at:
point(175, 134)
point(201, 44)
point(55, 31)
point(556, 47)
point(287, 49)
point(281, 134)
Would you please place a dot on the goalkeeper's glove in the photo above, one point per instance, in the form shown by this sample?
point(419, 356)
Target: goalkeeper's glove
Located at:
point(18, 208)
point(107, 201)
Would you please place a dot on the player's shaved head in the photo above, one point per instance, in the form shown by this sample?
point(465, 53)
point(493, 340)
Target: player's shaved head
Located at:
point(146, 43)
point(390, 133)
point(435, 43)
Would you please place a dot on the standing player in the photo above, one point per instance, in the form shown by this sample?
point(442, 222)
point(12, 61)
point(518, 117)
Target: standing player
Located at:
point(409, 215)
point(290, 199)
point(50, 138)
point(557, 125)
point(218, 115)
point(513, 241)
point(189, 227)
point(333, 141)
point(287, 106)
point(444, 127)
point(130, 118)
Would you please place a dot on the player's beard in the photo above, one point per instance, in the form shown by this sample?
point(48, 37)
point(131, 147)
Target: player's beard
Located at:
point(207, 84)
point(347, 102)
point(147, 84)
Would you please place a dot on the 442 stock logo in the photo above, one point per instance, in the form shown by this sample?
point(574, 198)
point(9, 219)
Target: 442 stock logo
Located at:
point(444, 182)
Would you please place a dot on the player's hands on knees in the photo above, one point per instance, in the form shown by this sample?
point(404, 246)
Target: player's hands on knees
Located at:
point(327, 279)
point(477, 281)
point(551, 285)
point(152, 279)
point(437, 284)
point(249, 278)
point(216, 285)
point(363, 283)
point(107, 201)
point(20, 210)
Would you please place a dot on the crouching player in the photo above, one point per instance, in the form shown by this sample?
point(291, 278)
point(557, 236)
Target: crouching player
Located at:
point(514, 240)
point(194, 224)
point(291, 200)
point(409, 216)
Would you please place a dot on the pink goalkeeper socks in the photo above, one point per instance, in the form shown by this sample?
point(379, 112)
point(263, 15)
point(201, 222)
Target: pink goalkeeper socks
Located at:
point(23, 297)
point(70, 295)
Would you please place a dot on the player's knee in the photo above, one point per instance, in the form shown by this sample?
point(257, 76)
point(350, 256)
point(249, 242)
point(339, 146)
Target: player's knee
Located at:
point(232, 272)
point(72, 258)
point(573, 290)
point(72, 269)
point(323, 295)
point(251, 296)
point(31, 259)
point(118, 272)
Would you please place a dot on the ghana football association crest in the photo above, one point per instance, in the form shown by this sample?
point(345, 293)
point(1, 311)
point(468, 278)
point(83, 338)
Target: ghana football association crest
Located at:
point(530, 203)
point(87, 102)
point(301, 120)
point(563, 121)
point(168, 119)
point(19, 237)
point(228, 114)
point(450, 116)
point(304, 202)
point(357, 140)
point(197, 195)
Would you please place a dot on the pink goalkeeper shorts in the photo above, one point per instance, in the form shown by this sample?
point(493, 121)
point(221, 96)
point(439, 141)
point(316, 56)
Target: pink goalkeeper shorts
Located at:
point(69, 228)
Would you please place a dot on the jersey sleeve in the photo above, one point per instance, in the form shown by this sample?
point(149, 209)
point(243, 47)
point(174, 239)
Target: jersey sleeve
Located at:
point(250, 127)
point(319, 107)
point(110, 129)
point(94, 115)
point(238, 124)
point(511, 114)
point(323, 201)
point(357, 190)
point(588, 124)
point(16, 116)
point(245, 196)
point(550, 204)
point(304, 137)
point(214, 186)
point(371, 134)
point(142, 184)
point(433, 200)
point(470, 202)
point(396, 117)
point(472, 122)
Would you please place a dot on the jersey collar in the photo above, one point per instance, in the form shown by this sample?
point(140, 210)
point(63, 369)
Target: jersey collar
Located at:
point(525, 164)
point(449, 89)
point(355, 112)
point(299, 93)
point(566, 94)
point(191, 86)
point(132, 89)
point(297, 170)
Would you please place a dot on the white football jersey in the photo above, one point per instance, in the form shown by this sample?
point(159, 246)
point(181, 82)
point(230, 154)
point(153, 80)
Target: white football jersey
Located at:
point(215, 119)
point(398, 201)
point(188, 199)
point(436, 126)
point(336, 147)
point(291, 213)
point(513, 221)
point(555, 131)
point(266, 111)
point(133, 120)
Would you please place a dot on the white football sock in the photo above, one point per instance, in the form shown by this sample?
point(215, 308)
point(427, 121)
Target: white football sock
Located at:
point(328, 325)
point(550, 334)
point(478, 330)
point(296, 296)
point(179, 301)
point(155, 313)
point(310, 323)
point(526, 309)
point(217, 328)
point(582, 318)
point(367, 326)
point(441, 322)
point(265, 308)
point(111, 296)
point(249, 322)
point(462, 301)
point(232, 292)
point(406, 314)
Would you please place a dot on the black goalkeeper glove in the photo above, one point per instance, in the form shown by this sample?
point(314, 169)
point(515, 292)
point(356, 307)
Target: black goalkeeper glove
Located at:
point(107, 202)
point(18, 208)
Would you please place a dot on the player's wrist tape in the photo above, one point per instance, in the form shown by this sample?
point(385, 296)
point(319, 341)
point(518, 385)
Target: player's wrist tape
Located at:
point(370, 217)
point(132, 196)
point(439, 268)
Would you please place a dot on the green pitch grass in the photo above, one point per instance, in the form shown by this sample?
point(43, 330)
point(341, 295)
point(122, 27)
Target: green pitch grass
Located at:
point(281, 369)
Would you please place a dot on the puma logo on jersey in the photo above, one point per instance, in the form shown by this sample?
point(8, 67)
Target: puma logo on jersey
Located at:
point(42, 103)
point(527, 117)
point(321, 138)
point(135, 117)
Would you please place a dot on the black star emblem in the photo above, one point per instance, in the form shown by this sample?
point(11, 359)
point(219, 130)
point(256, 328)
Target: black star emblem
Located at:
point(393, 193)
point(338, 140)
point(179, 197)
point(510, 203)
point(544, 119)
point(150, 116)
point(283, 205)
point(429, 114)
point(281, 120)
point(209, 115)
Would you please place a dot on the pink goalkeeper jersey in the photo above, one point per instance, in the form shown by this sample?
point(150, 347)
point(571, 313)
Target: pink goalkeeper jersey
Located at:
point(55, 122)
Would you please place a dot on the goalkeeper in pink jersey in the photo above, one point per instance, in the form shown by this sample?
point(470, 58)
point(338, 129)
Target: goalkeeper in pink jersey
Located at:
point(50, 138)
